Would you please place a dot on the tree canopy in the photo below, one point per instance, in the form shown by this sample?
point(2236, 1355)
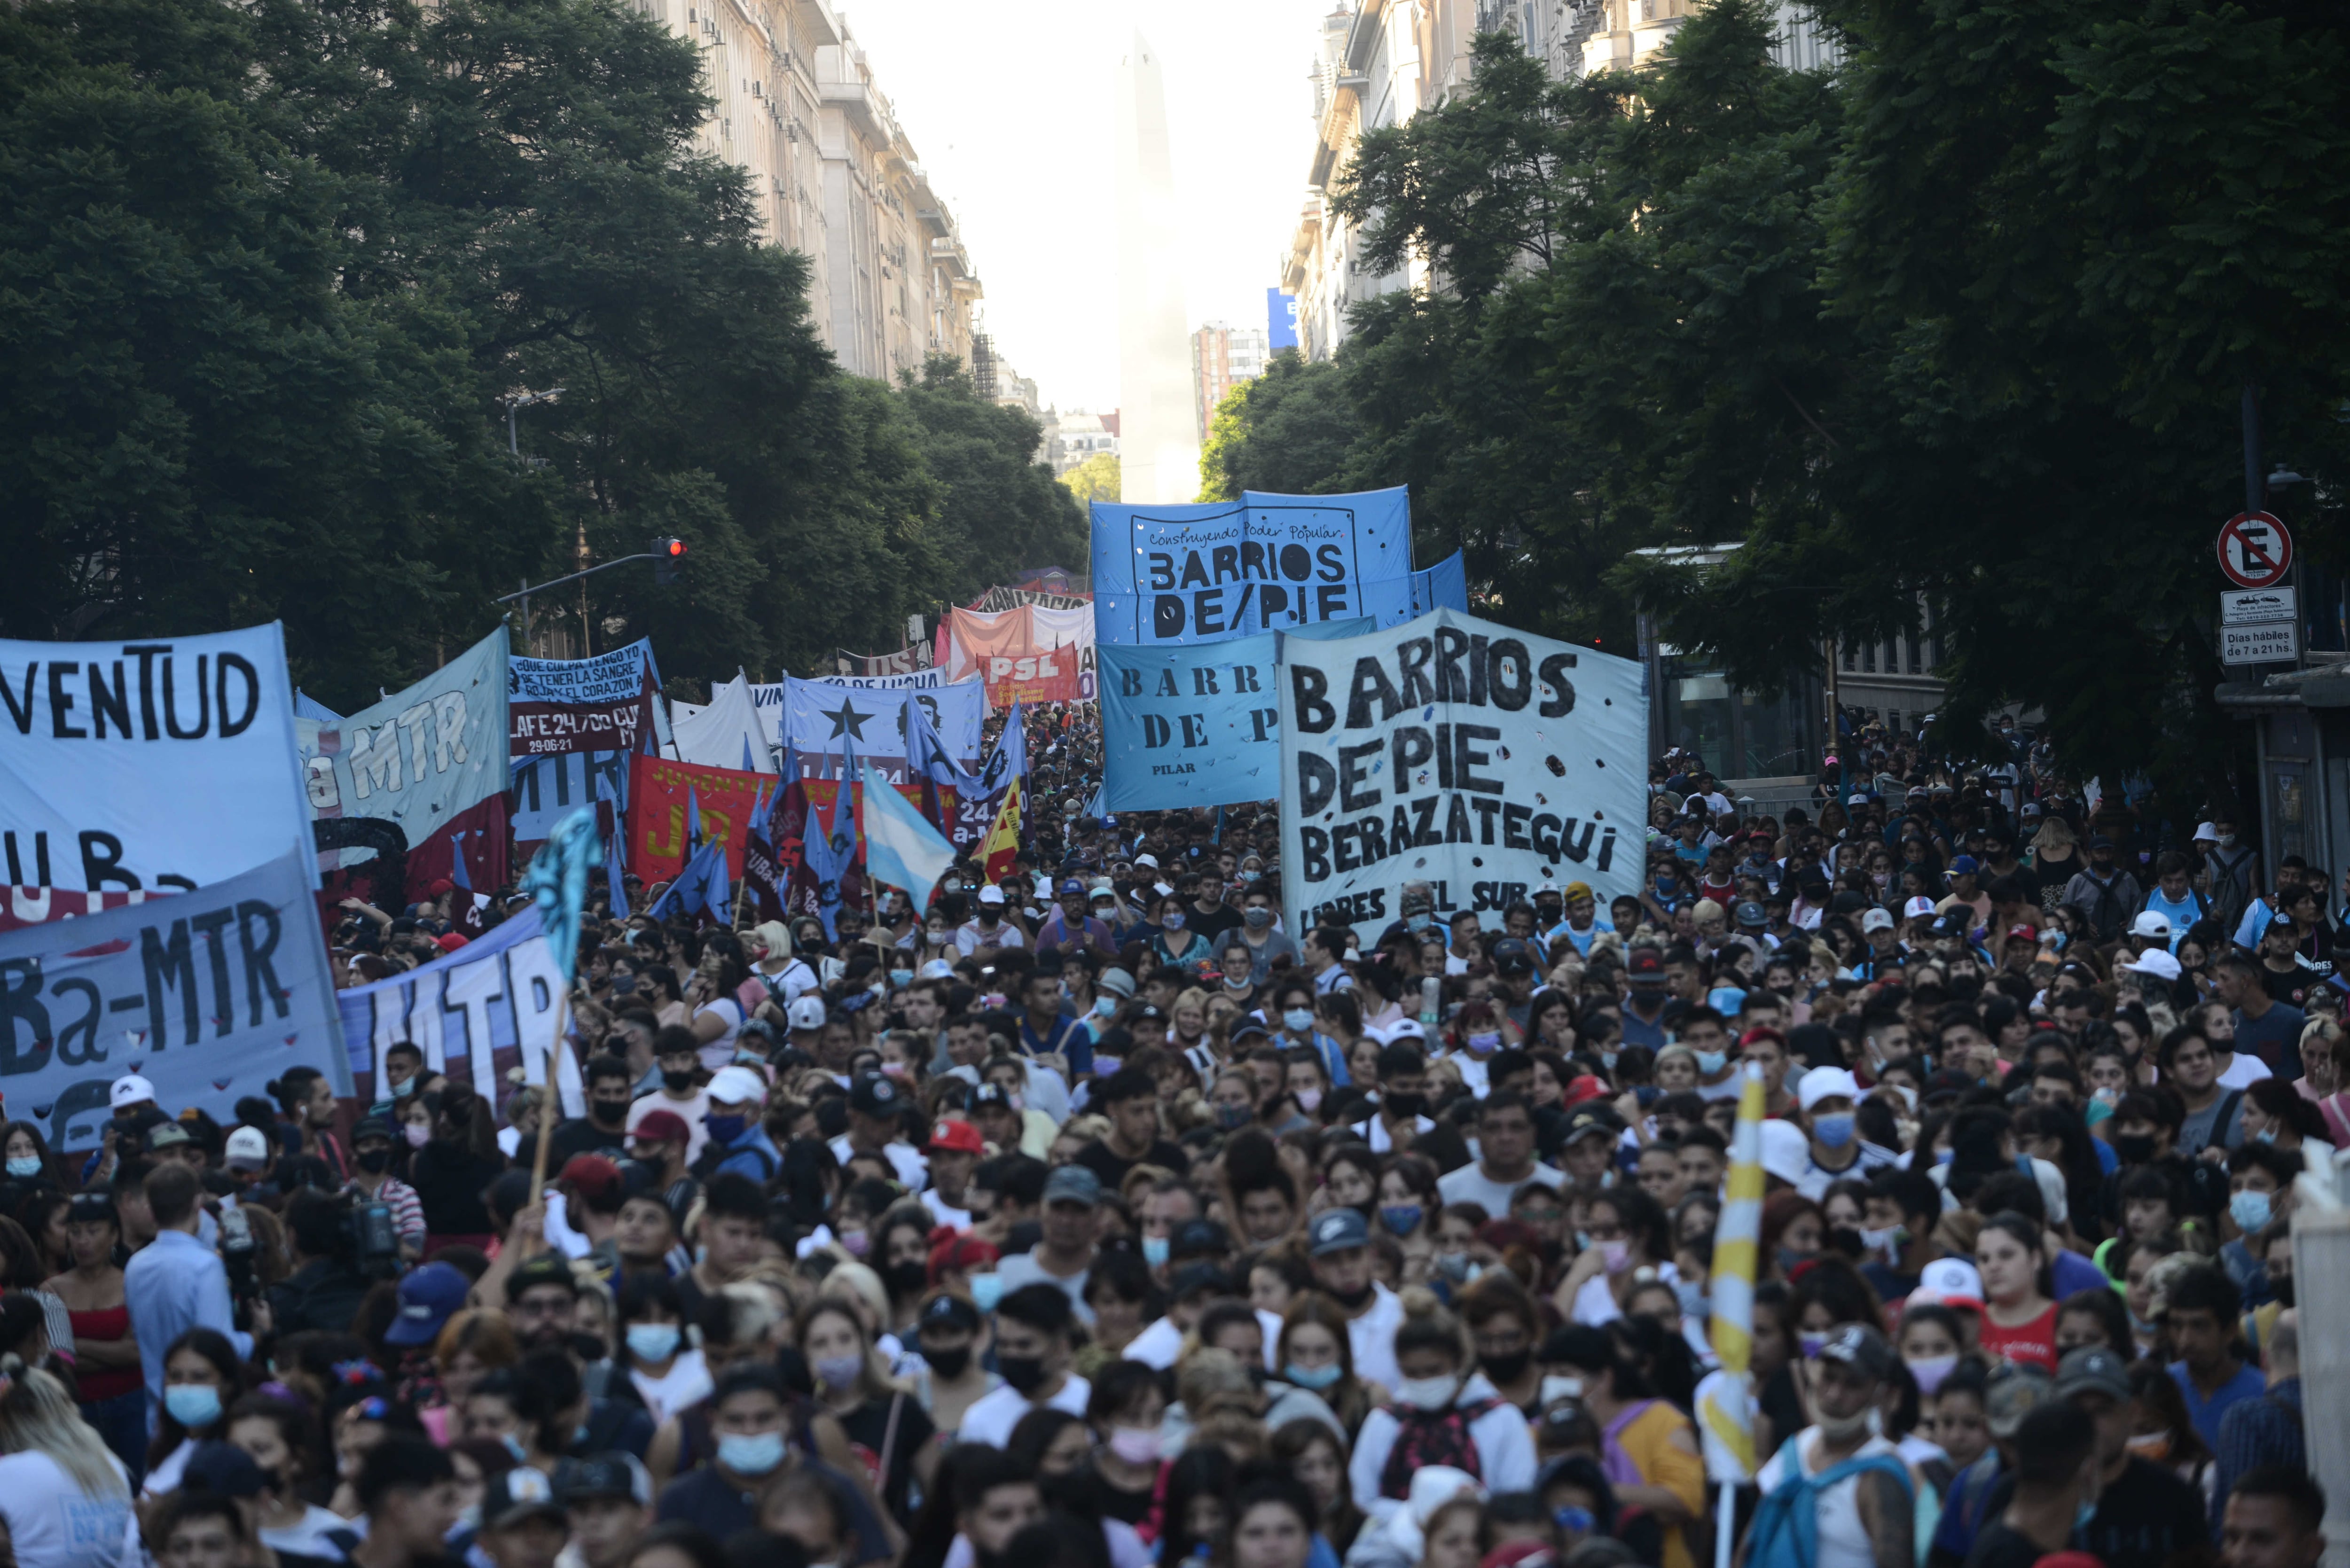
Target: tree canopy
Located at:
point(269, 273)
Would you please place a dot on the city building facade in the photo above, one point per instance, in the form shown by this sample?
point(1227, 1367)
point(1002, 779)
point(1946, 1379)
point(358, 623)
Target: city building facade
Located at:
point(834, 176)
point(1223, 356)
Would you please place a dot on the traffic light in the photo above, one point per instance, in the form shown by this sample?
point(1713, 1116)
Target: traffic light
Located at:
point(669, 561)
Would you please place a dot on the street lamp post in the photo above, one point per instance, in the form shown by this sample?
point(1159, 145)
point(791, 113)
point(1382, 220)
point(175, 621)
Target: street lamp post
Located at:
point(519, 401)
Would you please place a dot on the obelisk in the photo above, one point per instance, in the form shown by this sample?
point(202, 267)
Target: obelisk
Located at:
point(1159, 447)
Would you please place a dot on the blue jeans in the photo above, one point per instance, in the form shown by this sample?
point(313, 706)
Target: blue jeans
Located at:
point(121, 1425)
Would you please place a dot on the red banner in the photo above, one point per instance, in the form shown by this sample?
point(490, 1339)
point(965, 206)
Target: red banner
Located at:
point(1008, 650)
point(657, 790)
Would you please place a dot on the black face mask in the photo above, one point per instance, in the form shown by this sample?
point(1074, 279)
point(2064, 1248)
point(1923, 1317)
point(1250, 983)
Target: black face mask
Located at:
point(676, 1083)
point(2134, 1150)
point(1349, 1299)
point(1506, 1368)
point(374, 1161)
point(906, 1278)
point(607, 1112)
point(1401, 1106)
point(948, 1364)
point(2282, 1289)
point(1024, 1372)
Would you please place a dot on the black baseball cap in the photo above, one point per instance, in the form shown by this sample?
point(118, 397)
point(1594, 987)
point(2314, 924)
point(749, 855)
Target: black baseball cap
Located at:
point(611, 1475)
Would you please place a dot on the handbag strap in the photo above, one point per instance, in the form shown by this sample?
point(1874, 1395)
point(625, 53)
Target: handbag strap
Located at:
point(890, 1436)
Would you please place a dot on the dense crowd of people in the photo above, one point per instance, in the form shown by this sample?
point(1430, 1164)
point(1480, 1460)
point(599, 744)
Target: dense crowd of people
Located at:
point(1094, 1214)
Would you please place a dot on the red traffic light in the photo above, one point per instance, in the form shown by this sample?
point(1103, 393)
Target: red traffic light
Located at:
point(673, 547)
point(669, 556)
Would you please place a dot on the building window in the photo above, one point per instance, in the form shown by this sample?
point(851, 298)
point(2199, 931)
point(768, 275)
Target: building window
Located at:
point(1851, 657)
point(1869, 658)
point(1917, 656)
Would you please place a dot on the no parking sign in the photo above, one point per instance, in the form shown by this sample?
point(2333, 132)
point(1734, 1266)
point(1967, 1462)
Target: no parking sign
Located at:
point(2255, 551)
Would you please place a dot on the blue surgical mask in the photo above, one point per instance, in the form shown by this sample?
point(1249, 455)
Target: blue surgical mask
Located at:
point(192, 1405)
point(653, 1341)
point(1485, 1042)
point(899, 979)
point(1416, 924)
point(1298, 1020)
point(1313, 1377)
point(1105, 1005)
point(1834, 1131)
point(751, 1454)
point(724, 1130)
point(24, 1170)
point(1811, 1344)
point(1401, 1219)
point(1708, 1063)
point(2251, 1211)
point(1575, 1520)
point(1155, 1250)
point(1693, 1300)
point(986, 1290)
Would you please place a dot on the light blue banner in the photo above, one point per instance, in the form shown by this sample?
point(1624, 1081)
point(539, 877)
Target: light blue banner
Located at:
point(209, 994)
point(1444, 586)
point(1178, 575)
point(1196, 726)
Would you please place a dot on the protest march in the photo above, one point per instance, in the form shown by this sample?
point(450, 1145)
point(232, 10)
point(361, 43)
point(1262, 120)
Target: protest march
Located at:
point(1245, 1056)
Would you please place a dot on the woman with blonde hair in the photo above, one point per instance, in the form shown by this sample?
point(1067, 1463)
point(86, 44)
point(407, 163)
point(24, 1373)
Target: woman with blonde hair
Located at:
point(1187, 1025)
point(876, 1411)
point(2055, 855)
point(64, 1498)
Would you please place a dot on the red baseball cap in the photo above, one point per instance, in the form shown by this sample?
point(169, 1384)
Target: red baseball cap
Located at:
point(449, 943)
point(591, 1175)
point(440, 885)
point(1580, 1089)
point(661, 1127)
point(962, 1251)
point(957, 1137)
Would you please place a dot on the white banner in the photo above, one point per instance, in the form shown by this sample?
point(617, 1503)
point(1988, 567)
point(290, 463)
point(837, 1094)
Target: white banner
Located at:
point(168, 762)
point(1481, 760)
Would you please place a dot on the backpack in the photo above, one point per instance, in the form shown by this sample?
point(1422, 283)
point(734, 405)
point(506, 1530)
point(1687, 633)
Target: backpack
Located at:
point(1785, 1529)
point(1425, 1437)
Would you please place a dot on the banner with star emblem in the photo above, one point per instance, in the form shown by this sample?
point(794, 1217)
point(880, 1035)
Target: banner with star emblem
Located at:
point(822, 720)
point(209, 994)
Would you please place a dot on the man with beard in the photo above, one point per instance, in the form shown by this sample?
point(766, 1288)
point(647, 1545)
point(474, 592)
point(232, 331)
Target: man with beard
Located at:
point(542, 1298)
point(1340, 1253)
point(1032, 1351)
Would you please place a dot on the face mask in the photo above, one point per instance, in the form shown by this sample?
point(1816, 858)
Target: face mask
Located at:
point(417, 1133)
point(1024, 1372)
point(653, 1341)
point(1428, 1393)
point(1845, 1428)
point(192, 1405)
point(1884, 1242)
point(2152, 1447)
point(1484, 1043)
point(1155, 1250)
point(1230, 1118)
point(1454, 1265)
point(2134, 1148)
point(2225, 841)
point(948, 1364)
point(986, 1290)
point(2250, 1210)
point(1135, 1445)
point(1618, 1254)
point(838, 1371)
point(1417, 923)
point(751, 1454)
point(1103, 1006)
point(1708, 1063)
point(1401, 1218)
point(1506, 1368)
point(1929, 1371)
point(513, 1446)
point(1313, 1377)
point(374, 1161)
point(676, 1083)
point(1694, 1299)
point(1257, 919)
point(25, 1168)
point(1811, 1344)
point(1173, 922)
point(856, 1241)
point(1298, 1019)
point(906, 1278)
point(899, 979)
point(1403, 1106)
point(724, 1130)
point(1834, 1131)
point(1575, 1520)
point(1308, 1100)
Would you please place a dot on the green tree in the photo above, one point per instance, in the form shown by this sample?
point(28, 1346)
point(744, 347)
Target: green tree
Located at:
point(1288, 429)
point(1095, 479)
point(1004, 510)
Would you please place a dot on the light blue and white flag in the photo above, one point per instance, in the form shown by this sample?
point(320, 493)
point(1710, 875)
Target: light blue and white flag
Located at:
point(900, 849)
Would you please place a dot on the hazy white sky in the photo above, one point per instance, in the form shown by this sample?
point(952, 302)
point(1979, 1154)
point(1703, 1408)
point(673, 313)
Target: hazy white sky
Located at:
point(1009, 109)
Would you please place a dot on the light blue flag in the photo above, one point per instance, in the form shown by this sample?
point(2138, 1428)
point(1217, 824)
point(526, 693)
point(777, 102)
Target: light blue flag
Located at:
point(692, 819)
point(1444, 586)
point(613, 874)
point(1195, 726)
point(699, 889)
point(557, 880)
point(900, 848)
point(457, 872)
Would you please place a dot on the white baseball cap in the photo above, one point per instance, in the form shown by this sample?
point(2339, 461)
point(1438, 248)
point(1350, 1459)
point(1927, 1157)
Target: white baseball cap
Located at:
point(1826, 1084)
point(1950, 1283)
point(2206, 834)
point(737, 1087)
point(1786, 1151)
point(130, 1089)
point(1918, 906)
point(991, 893)
point(2151, 923)
point(1149, 860)
point(804, 1012)
point(1877, 920)
point(248, 1149)
point(2156, 961)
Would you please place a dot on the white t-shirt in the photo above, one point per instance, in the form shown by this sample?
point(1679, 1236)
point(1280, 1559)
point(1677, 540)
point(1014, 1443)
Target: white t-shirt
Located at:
point(309, 1535)
point(992, 1418)
point(1371, 1338)
point(686, 1382)
point(945, 1212)
point(55, 1525)
point(2244, 1071)
point(720, 1053)
point(1158, 1346)
point(1469, 1184)
point(912, 1170)
point(970, 939)
point(693, 1110)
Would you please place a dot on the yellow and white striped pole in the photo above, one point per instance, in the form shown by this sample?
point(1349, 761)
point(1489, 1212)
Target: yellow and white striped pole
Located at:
point(1725, 1403)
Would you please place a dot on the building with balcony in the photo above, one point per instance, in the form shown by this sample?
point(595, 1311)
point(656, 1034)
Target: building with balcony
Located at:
point(1223, 356)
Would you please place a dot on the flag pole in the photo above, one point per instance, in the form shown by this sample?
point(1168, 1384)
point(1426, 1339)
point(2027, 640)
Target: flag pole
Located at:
point(546, 1100)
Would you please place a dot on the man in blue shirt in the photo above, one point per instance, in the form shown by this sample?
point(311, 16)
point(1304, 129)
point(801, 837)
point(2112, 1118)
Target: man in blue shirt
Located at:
point(1046, 1030)
point(738, 1140)
point(175, 1283)
point(2200, 1314)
